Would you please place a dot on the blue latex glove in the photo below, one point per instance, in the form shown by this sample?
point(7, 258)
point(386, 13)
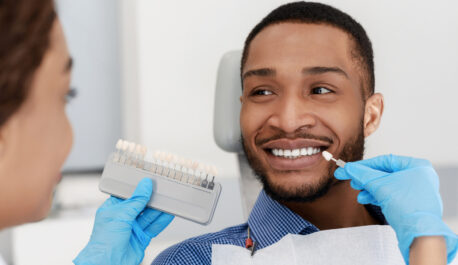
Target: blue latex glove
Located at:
point(407, 190)
point(123, 229)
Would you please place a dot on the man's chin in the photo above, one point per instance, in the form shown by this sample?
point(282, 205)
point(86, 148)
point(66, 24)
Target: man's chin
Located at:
point(297, 188)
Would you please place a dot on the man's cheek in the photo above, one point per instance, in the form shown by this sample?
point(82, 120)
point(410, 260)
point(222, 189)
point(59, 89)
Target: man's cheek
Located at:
point(250, 122)
point(343, 123)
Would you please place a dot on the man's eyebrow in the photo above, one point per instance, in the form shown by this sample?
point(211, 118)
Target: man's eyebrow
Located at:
point(259, 72)
point(69, 65)
point(316, 70)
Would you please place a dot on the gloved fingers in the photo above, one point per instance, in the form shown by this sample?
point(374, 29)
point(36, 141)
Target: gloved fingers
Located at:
point(356, 185)
point(393, 163)
point(362, 174)
point(382, 163)
point(356, 173)
point(147, 217)
point(159, 224)
point(143, 238)
point(364, 197)
point(139, 199)
point(110, 201)
point(341, 174)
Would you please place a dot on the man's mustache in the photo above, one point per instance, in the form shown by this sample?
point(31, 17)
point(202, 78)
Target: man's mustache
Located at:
point(296, 135)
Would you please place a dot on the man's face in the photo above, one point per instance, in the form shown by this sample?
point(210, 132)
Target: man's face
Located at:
point(302, 95)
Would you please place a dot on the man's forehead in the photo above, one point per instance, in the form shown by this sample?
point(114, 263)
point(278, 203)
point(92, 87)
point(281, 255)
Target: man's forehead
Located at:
point(288, 42)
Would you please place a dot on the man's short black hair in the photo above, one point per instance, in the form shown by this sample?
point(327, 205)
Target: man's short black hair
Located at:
point(317, 13)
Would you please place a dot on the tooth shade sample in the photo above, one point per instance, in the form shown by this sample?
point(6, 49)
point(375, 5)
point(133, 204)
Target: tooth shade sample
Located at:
point(327, 155)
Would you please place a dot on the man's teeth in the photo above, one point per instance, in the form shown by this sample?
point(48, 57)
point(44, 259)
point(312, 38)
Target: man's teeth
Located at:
point(295, 153)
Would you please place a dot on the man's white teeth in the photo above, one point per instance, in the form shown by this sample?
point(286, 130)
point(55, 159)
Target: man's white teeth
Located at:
point(295, 153)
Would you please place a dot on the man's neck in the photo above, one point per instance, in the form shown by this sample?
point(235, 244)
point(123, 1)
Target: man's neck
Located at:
point(337, 209)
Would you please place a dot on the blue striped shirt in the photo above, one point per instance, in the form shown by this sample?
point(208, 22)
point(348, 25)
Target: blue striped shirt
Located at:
point(269, 221)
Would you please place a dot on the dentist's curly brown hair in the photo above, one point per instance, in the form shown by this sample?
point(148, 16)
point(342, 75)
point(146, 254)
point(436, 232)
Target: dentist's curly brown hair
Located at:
point(25, 28)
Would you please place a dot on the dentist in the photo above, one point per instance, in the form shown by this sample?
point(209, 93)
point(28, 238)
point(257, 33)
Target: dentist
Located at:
point(36, 137)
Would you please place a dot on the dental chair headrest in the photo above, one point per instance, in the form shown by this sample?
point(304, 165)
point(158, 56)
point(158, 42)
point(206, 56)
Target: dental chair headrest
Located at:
point(226, 119)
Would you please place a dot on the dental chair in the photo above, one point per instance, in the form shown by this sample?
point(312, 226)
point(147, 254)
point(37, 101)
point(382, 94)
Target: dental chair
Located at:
point(226, 123)
point(226, 131)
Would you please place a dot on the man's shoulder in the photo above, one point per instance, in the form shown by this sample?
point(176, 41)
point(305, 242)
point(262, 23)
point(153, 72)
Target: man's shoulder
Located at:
point(197, 250)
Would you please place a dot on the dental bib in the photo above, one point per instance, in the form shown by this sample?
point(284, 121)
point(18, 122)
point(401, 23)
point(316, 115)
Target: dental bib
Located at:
point(374, 244)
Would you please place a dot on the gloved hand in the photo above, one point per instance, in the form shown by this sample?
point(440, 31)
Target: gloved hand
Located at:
point(123, 229)
point(407, 190)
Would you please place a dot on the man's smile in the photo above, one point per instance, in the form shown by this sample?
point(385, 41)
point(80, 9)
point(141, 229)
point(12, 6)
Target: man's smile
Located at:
point(294, 154)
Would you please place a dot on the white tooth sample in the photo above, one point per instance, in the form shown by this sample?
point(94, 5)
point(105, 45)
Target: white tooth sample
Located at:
point(295, 152)
point(119, 144)
point(327, 155)
point(137, 149)
point(214, 171)
point(125, 145)
point(144, 150)
point(131, 147)
point(287, 153)
point(280, 152)
point(303, 151)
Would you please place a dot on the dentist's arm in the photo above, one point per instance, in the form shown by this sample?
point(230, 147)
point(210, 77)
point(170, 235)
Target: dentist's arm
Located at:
point(407, 190)
point(123, 229)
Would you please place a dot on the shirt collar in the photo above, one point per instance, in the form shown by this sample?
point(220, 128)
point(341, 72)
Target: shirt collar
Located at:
point(270, 221)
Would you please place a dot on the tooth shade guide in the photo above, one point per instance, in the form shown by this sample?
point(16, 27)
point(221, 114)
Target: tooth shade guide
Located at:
point(164, 164)
point(183, 186)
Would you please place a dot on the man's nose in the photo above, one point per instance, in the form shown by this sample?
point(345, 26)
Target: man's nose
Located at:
point(292, 113)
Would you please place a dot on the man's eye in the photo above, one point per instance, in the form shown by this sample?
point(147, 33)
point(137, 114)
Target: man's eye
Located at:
point(261, 92)
point(320, 90)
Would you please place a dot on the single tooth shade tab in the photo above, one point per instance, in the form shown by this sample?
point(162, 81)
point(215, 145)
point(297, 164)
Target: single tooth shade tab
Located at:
point(119, 144)
point(138, 149)
point(125, 145)
point(144, 150)
point(327, 155)
point(214, 171)
point(131, 147)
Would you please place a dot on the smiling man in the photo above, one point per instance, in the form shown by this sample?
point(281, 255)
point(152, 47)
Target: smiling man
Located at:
point(308, 86)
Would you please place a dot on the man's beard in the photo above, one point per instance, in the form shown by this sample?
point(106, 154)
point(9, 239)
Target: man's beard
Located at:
point(353, 150)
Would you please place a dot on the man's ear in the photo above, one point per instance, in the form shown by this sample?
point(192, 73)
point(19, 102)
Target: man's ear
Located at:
point(373, 113)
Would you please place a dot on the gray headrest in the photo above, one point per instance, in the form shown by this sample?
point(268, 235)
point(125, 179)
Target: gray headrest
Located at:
point(226, 119)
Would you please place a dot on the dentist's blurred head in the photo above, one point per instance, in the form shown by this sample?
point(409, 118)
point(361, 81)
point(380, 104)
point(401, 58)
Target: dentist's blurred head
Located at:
point(35, 134)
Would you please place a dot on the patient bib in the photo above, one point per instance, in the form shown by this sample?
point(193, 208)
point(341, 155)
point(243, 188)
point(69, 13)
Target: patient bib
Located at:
point(374, 244)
